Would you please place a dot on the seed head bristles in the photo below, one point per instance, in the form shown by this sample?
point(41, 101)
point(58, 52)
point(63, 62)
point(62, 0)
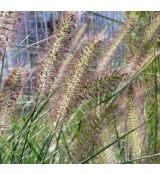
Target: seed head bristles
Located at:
point(9, 94)
point(117, 40)
point(92, 89)
point(102, 35)
point(133, 122)
point(145, 39)
point(67, 66)
point(8, 26)
point(142, 59)
point(92, 127)
point(138, 66)
point(74, 47)
point(54, 50)
point(73, 81)
point(150, 31)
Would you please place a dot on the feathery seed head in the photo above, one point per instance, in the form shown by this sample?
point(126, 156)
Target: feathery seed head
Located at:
point(55, 51)
point(114, 44)
point(10, 93)
point(73, 81)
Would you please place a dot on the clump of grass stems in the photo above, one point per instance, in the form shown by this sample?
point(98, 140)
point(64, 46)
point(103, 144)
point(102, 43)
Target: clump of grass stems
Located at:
point(69, 116)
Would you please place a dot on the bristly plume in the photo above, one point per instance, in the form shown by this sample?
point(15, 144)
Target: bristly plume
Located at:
point(8, 26)
point(73, 81)
point(138, 65)
point(9, 95)
point(75, 44)
point(114, 44)
point(94, 88)
point(90, 129)
point(55, 50)
point(141, 56)
point(133, 122)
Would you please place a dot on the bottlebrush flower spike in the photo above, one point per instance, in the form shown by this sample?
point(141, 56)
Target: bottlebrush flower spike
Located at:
point(55, 49)
point(150, 30)
point(133, 122)
point(141, 57)
point(60, 108)
point(8, 24)
point(114, 44)
point(90, 90)
point(91, 128)
point(9, 94)
point(138, 65)
point(74, 47)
